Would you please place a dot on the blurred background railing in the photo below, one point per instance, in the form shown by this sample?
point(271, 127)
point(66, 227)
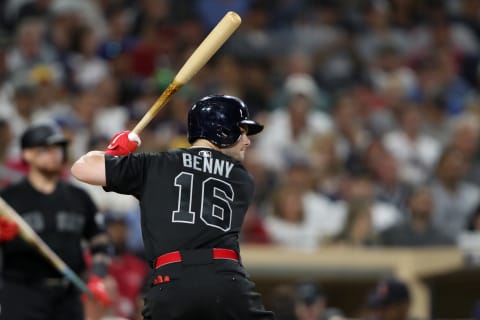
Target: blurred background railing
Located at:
point(441, 282)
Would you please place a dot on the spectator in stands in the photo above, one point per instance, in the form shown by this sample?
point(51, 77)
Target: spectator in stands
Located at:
point(118, 40)
point(311, 303)
point(388, 186)
point(435, 120)
point(87, 67)
point(265, 179)
point(297, 70)
point(328, 170)
point(80, 120)
point(230, 78)
point(49, 100)
point(389, 300)
point(390, 75)
point(378, 162)
point(323, 213)
point(111, 117)
point(7, 174)
point(469, 239)
point(116, 49)
point(20, 116)
point(29, 9)
point(210, 11)
point(454, 198)
point(4, 73)
point(350, 130)
point(439, 73)
point(377, 30)
point(30, 48)
point(417, 230)
point(253, 228)
point(290, 130)
point(151, 12)
point(465, 137)
point(255, 85)
point(372, 156)
point(383, 214)
point(416, 152)
point(289, 223)
point(474, 221)
point(358, 229)
point(144, 55)
point(327, 39)
point(128, 271)
point(282, 301)
point(254, 39)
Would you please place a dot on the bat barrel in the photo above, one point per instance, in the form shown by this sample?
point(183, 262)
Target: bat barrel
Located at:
point(214, 40)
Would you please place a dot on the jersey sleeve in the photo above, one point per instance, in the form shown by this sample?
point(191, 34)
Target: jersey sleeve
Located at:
point(126, 174)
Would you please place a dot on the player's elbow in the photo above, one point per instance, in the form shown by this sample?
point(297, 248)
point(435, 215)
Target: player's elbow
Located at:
point(90, 168)
point(78, 170)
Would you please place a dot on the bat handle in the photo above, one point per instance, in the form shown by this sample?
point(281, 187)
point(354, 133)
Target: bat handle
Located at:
point(79, 283)
point(172, 88)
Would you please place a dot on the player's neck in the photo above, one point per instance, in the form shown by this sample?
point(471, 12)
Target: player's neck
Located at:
point(202, 143)
point(41, 182)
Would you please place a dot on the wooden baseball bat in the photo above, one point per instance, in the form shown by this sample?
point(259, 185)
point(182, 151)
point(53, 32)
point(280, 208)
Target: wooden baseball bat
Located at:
point(31, 237)
point(214, 40)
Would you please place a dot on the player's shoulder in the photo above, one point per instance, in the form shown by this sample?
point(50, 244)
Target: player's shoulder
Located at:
point(172, 153)
point(162, 157)
point(14, 188)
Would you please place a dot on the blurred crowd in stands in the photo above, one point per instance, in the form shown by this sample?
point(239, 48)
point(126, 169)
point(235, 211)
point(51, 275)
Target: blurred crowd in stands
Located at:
point(371, 109)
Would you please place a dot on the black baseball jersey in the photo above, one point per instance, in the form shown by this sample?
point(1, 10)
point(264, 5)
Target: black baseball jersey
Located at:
point(62, 219)
point(189, 198)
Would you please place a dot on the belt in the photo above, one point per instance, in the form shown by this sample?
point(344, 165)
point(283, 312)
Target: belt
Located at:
point(176, 256)
point(46, 282)
point(56, 282)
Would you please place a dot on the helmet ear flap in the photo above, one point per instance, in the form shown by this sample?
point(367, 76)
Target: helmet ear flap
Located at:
point(224, 132)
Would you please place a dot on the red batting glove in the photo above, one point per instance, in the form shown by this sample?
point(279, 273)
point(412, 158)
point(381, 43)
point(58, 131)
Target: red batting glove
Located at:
point(8, 229)
point(97, 288)
point(123, 143)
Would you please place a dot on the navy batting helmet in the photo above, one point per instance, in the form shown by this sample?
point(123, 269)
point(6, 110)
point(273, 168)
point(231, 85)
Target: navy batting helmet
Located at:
point(43, 134)
point(218, 119)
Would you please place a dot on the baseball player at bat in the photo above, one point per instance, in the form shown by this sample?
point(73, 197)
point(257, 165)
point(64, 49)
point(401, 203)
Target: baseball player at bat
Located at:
point(193, 202)
point(62, 215)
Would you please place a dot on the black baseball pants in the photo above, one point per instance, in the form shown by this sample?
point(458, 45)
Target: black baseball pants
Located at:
point(203, 288)
point(39, 301)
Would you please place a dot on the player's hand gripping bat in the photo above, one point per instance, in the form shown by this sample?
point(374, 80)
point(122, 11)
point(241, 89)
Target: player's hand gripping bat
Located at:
point(31, 237)
point(214, 40)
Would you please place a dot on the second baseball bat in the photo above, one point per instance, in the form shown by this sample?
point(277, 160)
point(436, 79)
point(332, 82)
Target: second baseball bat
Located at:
point(214, 40)
point(31, 237)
